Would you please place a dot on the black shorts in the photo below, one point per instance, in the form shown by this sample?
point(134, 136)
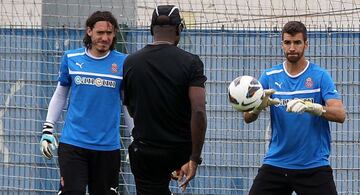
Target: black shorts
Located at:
point(152, 166)
point(272, 180)
point(79, 167)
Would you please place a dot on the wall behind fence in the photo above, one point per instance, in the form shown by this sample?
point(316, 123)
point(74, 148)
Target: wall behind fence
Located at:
point(233, 150)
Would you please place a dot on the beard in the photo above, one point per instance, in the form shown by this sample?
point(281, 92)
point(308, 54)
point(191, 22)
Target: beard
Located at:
point(294, 57)
point(102, 48)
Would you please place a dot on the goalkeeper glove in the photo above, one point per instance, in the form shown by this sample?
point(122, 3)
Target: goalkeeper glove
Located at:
point(48, 142)
point(300, 106)
point(266, 101)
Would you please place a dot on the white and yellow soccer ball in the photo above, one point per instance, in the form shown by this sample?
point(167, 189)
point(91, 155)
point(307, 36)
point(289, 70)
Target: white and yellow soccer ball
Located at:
point(245, 93)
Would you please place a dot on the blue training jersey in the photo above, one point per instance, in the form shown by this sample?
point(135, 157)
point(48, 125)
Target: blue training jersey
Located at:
point(93, 115)
point(298, 141)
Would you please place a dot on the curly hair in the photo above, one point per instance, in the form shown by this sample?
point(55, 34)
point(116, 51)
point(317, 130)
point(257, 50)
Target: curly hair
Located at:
point(96, 17)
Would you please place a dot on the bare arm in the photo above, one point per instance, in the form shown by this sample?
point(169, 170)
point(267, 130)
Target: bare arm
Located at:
point(335, 111)
point(198, 119)
point(250, 117)
point(198, 129)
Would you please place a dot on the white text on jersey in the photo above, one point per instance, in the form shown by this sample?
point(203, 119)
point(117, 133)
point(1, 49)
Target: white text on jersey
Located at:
point(98, 82)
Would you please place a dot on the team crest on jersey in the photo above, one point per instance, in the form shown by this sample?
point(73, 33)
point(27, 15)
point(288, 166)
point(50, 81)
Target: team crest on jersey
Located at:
point(309, 83)
point(114, 68)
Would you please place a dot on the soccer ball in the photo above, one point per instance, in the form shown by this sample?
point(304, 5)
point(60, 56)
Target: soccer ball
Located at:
point(245, 93)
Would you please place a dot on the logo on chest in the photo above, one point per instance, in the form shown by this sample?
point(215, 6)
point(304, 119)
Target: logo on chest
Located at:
point(309, 83)
point(278, 84)
point(114, 68)
point(79, 64)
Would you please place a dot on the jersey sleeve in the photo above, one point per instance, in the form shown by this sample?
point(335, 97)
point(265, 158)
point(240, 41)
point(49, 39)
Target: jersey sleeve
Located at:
point(328, 89)
point(64, 77)
point(124, 83)
point(264, 80)
point(197, 75)
point(122, 62)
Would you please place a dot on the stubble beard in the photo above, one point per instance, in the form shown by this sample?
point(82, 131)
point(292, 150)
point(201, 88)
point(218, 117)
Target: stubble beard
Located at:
point(294, 59)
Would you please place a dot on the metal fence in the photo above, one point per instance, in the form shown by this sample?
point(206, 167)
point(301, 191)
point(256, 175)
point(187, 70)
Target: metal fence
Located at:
point(233, 150)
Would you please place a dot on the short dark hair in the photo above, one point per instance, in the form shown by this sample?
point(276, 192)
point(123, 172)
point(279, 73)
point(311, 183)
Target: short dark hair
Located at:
point(166, 15)
point(294, 27)
point(96, 17)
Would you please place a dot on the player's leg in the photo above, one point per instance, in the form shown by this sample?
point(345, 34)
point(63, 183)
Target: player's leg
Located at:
point(73, 169)
point(317, 181)
point(143, 163)
point(152, 166)
point(271, 181)
point(104, 169)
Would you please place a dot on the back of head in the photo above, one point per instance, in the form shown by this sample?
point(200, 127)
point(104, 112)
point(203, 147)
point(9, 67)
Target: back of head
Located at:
point(166, 15)
point(294, 27)
point(96, 17)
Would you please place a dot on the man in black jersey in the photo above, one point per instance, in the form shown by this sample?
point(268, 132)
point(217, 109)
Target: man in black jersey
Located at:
point(165, 94)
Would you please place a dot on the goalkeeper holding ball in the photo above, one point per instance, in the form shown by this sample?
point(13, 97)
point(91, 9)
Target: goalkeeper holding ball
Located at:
point(298, 155)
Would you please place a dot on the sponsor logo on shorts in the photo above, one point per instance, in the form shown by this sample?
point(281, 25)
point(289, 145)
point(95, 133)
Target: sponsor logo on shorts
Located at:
point(115, 190)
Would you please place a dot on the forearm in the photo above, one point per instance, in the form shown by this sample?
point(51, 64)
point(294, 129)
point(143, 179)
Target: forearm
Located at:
point(250, 117)
point(129, 122)
point(198, 129)
point(57, 103)
point(334, 113)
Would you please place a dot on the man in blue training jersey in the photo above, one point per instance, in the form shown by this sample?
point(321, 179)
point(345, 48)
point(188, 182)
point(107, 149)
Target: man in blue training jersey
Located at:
point(89, 149)
point(298, 155)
